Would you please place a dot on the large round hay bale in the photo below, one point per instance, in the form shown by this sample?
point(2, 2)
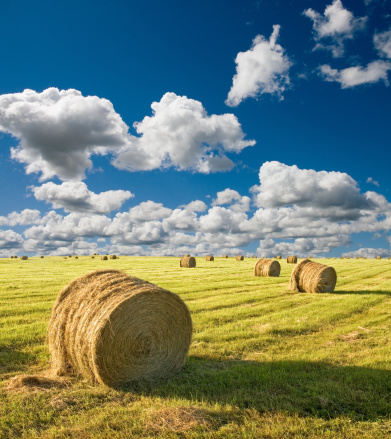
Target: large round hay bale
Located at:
point(24, 258)
point(113, 257)
point(113, 329)
point(267, 267)
point(292, 259)
point(103, 258)
point(210, 258)
point(187, 262)
point(239, 257)
point(312, 277)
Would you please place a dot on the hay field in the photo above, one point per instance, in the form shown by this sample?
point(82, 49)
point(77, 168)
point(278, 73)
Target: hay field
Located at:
point(265, 362)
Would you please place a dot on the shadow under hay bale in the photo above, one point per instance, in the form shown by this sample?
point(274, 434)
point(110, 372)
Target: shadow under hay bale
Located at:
point(267, 268)
point(187, 262)
point(312, 277)
point(239, 257)
point(210, 258)
point(114, 329)
point(292, 259)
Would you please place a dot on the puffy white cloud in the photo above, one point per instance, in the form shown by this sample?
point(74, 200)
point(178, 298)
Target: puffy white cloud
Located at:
point(283, 185)
point(369, 253)
point(181, 134)
point(9, 240)
point(75, 197)
point(374, 72)
point(261, 69)
point(147, 211)
point(336, 25)
point(382, 43)
point(25, 217)
point(195, 206)
point(226, 196)
point(60, 130)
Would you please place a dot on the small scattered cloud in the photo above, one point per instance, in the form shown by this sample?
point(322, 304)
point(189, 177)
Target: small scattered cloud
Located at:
point(382, 42)
point(263, 69)
point(353, 76)
point(75, 197)
point(372, 181)
point(336, 25)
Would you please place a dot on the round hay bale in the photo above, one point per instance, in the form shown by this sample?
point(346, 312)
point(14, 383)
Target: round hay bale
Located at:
point(364, 257)
point(239, 257)
point(210, 258)
point(92, 257)
point(312, 277)
point(291, 259)
point(225, 256)
point(278, 257)
point(42, 257)
point(113, 257)
point(113, 329)
point(76, 257)
point(187, 262)
point(267, 267)
point(24, 258)
point(378, 257)
point(347, 257)
point(103, 258)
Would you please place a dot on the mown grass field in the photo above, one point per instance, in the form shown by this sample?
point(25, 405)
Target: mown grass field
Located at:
point(264, 362)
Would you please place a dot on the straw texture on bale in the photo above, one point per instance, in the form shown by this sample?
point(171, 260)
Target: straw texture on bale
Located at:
point(113, 329)
point(239, 258)
point(103, 258)
point(210, 258)
point(23, 258)
point(291, 259)
point(187, 262)
point(312, 277)
point(267, 267)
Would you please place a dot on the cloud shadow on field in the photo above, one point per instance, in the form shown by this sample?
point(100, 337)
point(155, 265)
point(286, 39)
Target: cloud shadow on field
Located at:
point(294, 387)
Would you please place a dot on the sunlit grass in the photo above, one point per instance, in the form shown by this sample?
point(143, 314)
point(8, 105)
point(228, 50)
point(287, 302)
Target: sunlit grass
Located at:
point(264, 361)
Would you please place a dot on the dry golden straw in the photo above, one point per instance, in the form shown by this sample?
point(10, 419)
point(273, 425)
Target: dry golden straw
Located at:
point(239, 258)
point(267, 267)
point(292, 259)
point(210, 258)
point(113, 328)
point(187, 262)
point(312, 277)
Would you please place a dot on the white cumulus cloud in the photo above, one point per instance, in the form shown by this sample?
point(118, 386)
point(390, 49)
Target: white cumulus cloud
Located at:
point(25, 217)
point(334, 27)
point(59, 130)
point(75, 197)
point(382, 43)
point(262, 69)
point(357, 75)
point(182, 135)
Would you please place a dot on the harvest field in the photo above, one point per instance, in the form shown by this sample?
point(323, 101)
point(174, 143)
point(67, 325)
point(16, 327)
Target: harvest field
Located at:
point(264, 362)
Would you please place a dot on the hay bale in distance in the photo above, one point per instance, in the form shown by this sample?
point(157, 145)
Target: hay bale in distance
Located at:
point(278, 257)
point(239, 257)
point(42, 257)
point(210, 258)
point(113, 257)
point(24, 258)
point(267, 267)
point(103, 258)
point(291, 259)
point(312, 277)
point(187, 262)
point(378, 257)
point(225, 256)
point(113, 329)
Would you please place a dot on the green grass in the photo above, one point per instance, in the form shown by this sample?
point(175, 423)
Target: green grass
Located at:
point(264, 362)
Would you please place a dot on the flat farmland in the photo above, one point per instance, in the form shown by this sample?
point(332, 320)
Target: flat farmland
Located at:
point(264, 362)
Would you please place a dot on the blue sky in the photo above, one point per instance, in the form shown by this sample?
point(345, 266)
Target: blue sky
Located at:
point(208, 127)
